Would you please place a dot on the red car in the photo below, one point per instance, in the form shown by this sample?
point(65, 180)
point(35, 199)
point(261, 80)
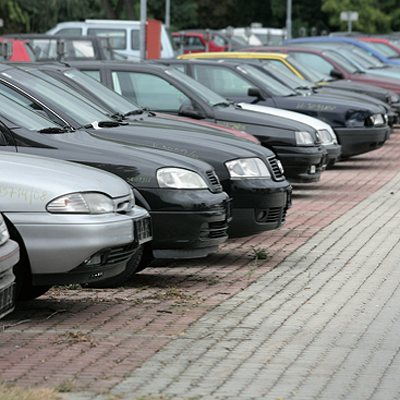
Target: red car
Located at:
point(21, 51)
point(384, 46)
point(195, 42)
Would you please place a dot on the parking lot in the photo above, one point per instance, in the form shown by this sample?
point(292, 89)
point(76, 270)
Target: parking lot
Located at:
point(89, 341)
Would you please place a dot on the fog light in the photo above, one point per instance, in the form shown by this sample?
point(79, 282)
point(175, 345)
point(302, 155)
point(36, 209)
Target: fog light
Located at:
point(313, 169)
point(94, 260)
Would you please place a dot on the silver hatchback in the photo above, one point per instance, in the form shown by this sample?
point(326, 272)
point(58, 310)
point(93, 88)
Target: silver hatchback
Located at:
point(74, 224)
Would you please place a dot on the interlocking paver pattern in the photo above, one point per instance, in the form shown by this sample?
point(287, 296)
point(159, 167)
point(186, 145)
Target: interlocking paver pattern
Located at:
point(319, 319)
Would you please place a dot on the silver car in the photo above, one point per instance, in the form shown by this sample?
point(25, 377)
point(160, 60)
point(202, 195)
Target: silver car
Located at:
point(74, 224)
point(9, 256)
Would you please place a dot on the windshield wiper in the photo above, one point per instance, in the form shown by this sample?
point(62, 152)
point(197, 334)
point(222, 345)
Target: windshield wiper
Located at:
point(140, 111)
point(55, 129)
point(221, 103)
point(103, 124)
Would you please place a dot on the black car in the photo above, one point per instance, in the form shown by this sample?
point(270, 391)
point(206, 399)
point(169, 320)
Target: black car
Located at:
point(249, 173)
point(341, 88)
point(359, 126)
point(165, 89)
point(189, 209)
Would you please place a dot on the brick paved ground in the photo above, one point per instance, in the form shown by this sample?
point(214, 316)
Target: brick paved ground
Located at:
point(89, 340)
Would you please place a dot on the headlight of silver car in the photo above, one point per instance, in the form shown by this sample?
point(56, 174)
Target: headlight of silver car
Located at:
point(304, 139)
point(375, 119)
point(179, 178)
point(248, 168)
point(81, 203)
point(4, 235)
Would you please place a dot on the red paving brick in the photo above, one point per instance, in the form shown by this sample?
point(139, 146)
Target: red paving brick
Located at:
point(91, 339)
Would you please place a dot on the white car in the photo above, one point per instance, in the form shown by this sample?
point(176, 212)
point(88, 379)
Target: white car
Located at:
point(74, 224)
point(325, 131)
point(9, 256)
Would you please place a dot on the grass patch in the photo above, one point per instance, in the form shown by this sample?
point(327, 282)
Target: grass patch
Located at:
point(10, 392)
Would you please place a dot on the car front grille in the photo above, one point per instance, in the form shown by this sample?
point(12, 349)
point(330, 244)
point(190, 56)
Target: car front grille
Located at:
point(217, 229)
point(276, 171)
point(7, 299)
point(119, 254)
point(271, 215)
point(214, 181)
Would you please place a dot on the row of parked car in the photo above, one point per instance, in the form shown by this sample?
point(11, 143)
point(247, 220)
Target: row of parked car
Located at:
point(161, 160)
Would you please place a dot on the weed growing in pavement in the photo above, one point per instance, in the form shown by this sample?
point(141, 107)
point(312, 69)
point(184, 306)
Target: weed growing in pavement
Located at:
point(260, 253)
point(213, 281)
point(66, 386)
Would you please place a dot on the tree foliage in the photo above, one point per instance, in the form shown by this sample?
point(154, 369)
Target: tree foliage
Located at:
point(40, 15)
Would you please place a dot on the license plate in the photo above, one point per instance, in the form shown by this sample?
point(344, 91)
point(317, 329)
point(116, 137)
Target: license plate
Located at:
point(143, 231)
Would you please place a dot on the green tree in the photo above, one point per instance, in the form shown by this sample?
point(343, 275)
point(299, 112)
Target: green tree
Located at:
point(371, 15)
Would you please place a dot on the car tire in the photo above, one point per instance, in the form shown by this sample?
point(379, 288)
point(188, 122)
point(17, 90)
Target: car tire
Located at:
point(24, 290)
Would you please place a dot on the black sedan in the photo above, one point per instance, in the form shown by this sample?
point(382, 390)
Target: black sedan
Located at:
point(165, 89)
point(359, 126)
point(249, 173)
point(189, 210)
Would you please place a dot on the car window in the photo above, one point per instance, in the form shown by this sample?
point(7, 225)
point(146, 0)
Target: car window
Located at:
point(93, 73)
point(117, 36)
point(314, 60)
point(221, 80)
point(135, 39)
point(69, 31)
point(219, 41)
point(148, 90)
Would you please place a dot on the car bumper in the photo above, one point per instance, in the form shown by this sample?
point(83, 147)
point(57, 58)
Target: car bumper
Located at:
point(302, 164)
point(9, 256)
point(258, 205)
point(334, 153)
point(188, 224)
point(66, 249)
point(355, 141)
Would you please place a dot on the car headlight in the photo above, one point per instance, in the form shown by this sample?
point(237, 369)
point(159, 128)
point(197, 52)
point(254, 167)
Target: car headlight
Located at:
point(4, 235)
point(393, 99)
point(81, 203)
point(327, 137)
point(304, 139)
point(247, 168)
point(179, 178)
point(375, 119)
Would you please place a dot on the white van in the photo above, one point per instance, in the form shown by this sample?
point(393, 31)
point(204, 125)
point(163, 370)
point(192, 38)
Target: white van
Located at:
point(125, 35)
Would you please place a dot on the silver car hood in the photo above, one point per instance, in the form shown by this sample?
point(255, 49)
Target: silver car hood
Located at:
point(28, 183)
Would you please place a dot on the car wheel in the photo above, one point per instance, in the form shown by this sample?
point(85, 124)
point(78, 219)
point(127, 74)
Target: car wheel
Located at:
point(24, 290)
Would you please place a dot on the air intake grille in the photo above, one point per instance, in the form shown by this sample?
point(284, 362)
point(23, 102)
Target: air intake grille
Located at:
point(7, 296)
point(276, 169)
point(120, 254)
point(214, 181)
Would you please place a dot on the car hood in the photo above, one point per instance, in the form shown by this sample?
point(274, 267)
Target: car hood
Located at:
point(315, 123)
point(38, 180)
point(136, 164)
point(211, 148)
point(244, 118)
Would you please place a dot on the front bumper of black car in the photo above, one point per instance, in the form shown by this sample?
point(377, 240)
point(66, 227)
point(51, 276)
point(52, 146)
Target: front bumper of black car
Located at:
point(355, 141)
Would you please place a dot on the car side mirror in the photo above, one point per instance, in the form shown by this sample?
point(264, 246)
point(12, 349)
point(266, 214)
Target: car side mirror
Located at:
point(188, 111)
point(255, 92)
point(335, 73)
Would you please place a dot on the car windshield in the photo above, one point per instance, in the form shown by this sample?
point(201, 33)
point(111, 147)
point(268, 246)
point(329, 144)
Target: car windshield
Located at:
point(356, 58)
point(23, 116)
point(307, 72)
point(69, 101)
point(267, 82)
point(116, 101)
point(384, 49)
point(343, 62)
point(206, 94)
point(289, 77)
